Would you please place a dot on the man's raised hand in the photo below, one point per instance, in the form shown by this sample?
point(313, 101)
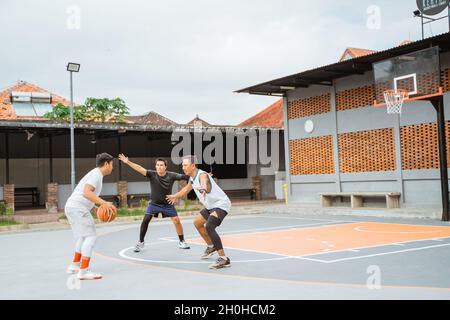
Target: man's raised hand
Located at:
point(123, 158)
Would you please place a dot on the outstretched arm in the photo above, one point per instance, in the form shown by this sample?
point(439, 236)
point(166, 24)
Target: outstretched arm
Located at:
point(172, 198)
point(134, 166)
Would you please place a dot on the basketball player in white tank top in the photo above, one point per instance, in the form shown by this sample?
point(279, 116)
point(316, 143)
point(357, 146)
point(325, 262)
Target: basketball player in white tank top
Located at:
point(217, 205)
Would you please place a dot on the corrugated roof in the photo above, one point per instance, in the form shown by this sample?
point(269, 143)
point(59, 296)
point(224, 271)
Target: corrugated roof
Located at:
point(326, 74)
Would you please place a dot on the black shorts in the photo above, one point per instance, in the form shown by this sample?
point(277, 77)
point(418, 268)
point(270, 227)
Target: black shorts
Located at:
point(221, 214)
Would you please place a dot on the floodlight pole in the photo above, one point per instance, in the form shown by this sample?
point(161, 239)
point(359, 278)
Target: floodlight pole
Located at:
point(72, 137)
point(421, 18)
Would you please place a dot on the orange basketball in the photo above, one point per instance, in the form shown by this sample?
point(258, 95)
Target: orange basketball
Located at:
point(106, 213)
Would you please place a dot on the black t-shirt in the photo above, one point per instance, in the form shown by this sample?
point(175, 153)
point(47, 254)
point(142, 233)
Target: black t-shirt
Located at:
point(162, 186)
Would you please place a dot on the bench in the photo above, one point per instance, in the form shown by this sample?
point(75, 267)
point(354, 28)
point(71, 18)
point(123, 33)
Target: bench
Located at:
point(136, 198)
point(241, 193)
point(26, 196)
point(356, 198)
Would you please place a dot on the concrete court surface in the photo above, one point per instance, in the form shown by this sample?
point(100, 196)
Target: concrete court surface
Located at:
point(274, 256)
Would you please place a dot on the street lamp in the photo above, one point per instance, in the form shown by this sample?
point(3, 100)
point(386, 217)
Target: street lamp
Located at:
point(72, 67)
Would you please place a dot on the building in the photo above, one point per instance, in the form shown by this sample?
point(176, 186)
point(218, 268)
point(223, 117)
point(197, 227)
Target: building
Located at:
point(347, 144)
point(35, 151)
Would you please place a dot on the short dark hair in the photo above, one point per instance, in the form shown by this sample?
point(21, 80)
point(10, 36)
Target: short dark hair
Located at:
point(161, 159)
point(103, 158)
point(192, 159)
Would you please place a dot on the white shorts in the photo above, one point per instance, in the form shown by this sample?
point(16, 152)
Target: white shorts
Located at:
point(81, 221)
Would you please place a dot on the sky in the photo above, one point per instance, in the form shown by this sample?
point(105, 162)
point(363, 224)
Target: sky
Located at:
point(185, 58)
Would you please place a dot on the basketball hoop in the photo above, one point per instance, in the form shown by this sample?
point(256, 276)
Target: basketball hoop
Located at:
point(394, 100)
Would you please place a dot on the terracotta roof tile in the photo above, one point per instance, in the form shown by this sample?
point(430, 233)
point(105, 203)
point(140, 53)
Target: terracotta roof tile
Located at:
point(6, 108)
point(355, 52)
point(197, 121)
point(272, 117)
point(150, 118)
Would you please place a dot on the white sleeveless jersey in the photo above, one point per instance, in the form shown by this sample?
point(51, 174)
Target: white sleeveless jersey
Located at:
point(216, 198)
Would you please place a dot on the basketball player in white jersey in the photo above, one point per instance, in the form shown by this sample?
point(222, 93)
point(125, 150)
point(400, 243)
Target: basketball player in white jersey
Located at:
point(78, 212)
point(217, 205)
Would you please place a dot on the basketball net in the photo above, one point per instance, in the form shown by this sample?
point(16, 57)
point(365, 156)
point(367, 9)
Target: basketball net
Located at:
point(394, 100)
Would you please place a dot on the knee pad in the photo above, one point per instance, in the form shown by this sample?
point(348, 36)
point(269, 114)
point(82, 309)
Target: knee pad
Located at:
point(212, 223)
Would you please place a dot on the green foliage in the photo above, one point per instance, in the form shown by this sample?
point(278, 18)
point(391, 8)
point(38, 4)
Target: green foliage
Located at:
point(130, 212)
point(3, 208)
point(106, 109)
point(61, 112)
point(9, 211)
point(186, 204)
point(8, 222)
point(143, 203)
point(94, 109)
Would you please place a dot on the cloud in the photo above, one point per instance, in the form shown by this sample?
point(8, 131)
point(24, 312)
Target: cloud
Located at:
point(182, 58)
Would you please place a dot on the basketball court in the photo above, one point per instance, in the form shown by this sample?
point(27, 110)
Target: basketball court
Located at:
point(282, 256)
point(292, 255)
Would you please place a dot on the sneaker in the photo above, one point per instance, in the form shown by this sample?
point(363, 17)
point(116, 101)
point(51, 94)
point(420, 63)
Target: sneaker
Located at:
point(139, 247)
point(208, 252)
point(221, 263)
point(86, 274)
point(183, 245)
point(73, 268)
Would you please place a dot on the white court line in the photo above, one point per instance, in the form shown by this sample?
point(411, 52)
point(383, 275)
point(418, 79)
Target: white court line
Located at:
point(123, 255)
point(395, 232)
point(263, 230)
point(298, 218)
point(379, 254)
point(285, 257)
point(374, 246)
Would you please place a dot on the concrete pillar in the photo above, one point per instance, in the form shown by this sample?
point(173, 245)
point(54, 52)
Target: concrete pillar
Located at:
point(51, 203)
point(122, 191)
point(8, 195)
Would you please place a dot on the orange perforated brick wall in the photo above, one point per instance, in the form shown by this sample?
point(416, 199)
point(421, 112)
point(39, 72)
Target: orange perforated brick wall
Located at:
point(420, 146)
point(354, 98)
point(366, 151)
point(312, 155)
point(309, 106)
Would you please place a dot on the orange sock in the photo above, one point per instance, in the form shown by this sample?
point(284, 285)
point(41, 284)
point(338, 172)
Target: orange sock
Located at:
point(85, 262)
point(77, 257)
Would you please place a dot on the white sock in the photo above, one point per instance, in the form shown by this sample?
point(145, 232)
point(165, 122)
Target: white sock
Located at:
point(210, 246)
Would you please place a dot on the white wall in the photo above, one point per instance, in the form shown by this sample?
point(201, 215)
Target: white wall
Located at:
point(138, 187)
point(234, 184)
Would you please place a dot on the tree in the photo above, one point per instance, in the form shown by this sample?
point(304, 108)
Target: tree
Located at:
point(94, 109)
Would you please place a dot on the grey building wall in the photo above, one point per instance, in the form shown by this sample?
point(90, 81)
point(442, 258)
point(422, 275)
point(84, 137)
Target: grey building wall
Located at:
point(419, 188)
